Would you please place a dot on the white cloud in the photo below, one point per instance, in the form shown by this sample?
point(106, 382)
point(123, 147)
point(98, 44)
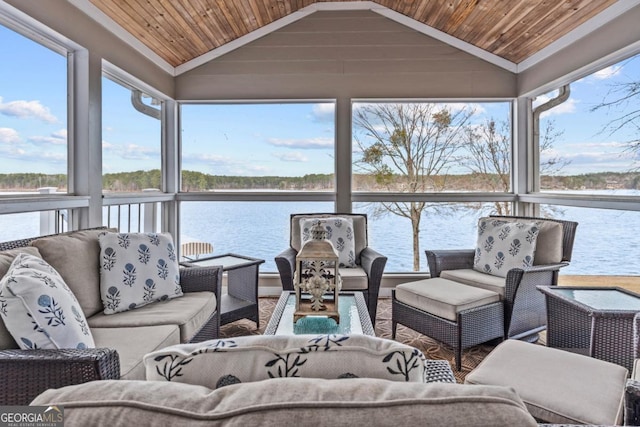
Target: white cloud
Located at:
point(213, 159)
point(456, 107)
point(607, 73)
point(130, 151)
point(27, 110)
point(593, 157)
point(304, 144)
point(9, 136)
point(291, 157)
point(56, 138)
point(36, 156)
point(324, 112)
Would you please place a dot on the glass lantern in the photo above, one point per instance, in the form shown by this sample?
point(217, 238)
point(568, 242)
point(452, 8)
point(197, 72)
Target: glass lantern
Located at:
point(317, 280)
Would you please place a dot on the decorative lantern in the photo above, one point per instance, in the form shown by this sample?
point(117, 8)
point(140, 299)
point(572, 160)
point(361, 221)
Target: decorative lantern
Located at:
point(317, 276)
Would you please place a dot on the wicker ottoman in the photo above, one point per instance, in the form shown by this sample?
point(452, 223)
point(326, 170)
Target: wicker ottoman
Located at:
point(458, 315)
point(556, 386)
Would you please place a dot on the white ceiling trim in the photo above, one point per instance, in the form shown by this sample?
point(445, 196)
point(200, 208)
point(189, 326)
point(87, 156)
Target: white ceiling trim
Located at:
point(604, 17)
point(241, 41)
point(93, 12)
point(269, 28)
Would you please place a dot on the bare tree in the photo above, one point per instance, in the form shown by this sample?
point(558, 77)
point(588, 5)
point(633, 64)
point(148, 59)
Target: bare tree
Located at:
point(623, 100)
point(408, 147)
point(488, 156)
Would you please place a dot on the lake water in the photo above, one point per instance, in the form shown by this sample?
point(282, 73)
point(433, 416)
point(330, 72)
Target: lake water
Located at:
point(606, 240)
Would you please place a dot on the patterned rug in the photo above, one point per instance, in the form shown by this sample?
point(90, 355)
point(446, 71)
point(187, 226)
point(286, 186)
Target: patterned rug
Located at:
point(432, 349)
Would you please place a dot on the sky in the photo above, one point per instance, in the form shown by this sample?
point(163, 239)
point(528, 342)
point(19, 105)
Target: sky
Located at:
point(265, 139)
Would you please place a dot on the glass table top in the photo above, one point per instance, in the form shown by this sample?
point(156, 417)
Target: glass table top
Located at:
point(602, 299)
point(349, 319)
point(226, 261)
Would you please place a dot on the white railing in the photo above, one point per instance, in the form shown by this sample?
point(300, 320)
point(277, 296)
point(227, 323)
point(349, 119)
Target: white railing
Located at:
point(134, 212)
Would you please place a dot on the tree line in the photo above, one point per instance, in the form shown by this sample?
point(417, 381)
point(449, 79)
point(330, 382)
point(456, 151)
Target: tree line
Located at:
point(198, 181)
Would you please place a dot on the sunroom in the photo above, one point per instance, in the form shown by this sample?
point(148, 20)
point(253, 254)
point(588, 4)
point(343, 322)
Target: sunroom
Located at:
point(216, 121)
point(222, 146)
point(230, 140)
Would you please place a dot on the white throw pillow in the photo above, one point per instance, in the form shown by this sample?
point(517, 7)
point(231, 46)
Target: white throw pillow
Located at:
point(221, 362)
point(339, 233)
point(504, 245)
point(137, 269)
point(39, 309)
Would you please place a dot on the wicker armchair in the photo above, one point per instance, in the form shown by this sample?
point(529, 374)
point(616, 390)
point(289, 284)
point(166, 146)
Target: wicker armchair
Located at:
point(370, 263)
point(524, 305)
point(26, 373)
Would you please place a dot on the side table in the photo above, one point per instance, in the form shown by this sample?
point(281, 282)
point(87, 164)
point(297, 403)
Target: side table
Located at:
point(595, 321)
point(241, 299)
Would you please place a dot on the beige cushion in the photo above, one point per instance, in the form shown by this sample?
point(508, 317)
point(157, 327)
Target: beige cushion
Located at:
point(6, 258)
point(76, 256)
point(359, 230)
point(549, 242)
point(189, 312)
point(557, 386)
point(288, 401)
point(442, 297)
point(475, 278)
point(221, 362)
point(133, 343)
point(354, 279)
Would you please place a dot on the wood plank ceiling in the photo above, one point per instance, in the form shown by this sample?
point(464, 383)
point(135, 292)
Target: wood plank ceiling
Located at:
point(181, 30)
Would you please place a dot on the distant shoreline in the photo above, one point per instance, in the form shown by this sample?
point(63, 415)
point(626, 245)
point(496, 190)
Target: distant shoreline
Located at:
point(198, 181)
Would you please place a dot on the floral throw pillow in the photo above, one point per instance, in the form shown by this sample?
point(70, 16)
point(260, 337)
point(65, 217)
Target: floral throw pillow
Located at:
point(221, 362)
point(339, 233)
point(504, 245)
point(137, 269)
point(39, 309)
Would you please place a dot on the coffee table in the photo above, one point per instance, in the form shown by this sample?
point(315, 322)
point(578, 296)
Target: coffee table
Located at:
point(354, 317)
point(595, 321)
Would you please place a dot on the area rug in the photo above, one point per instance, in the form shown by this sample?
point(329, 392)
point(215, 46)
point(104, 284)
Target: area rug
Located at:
point(432, 349)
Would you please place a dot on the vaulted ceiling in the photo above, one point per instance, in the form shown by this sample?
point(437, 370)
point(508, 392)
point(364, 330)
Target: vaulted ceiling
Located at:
point(180, 30)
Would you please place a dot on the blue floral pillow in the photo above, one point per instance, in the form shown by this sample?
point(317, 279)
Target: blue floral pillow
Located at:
point(339, 233)
point(137, 269)
point(504, 245)
point(39, 309)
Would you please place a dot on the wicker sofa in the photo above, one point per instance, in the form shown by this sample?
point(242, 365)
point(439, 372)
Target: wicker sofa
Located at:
point(284, 379)
point(121, 339)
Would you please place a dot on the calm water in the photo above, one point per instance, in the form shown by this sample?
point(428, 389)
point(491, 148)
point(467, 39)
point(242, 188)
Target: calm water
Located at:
point(606, 240)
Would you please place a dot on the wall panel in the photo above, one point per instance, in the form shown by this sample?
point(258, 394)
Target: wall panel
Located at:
point(357, 54)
